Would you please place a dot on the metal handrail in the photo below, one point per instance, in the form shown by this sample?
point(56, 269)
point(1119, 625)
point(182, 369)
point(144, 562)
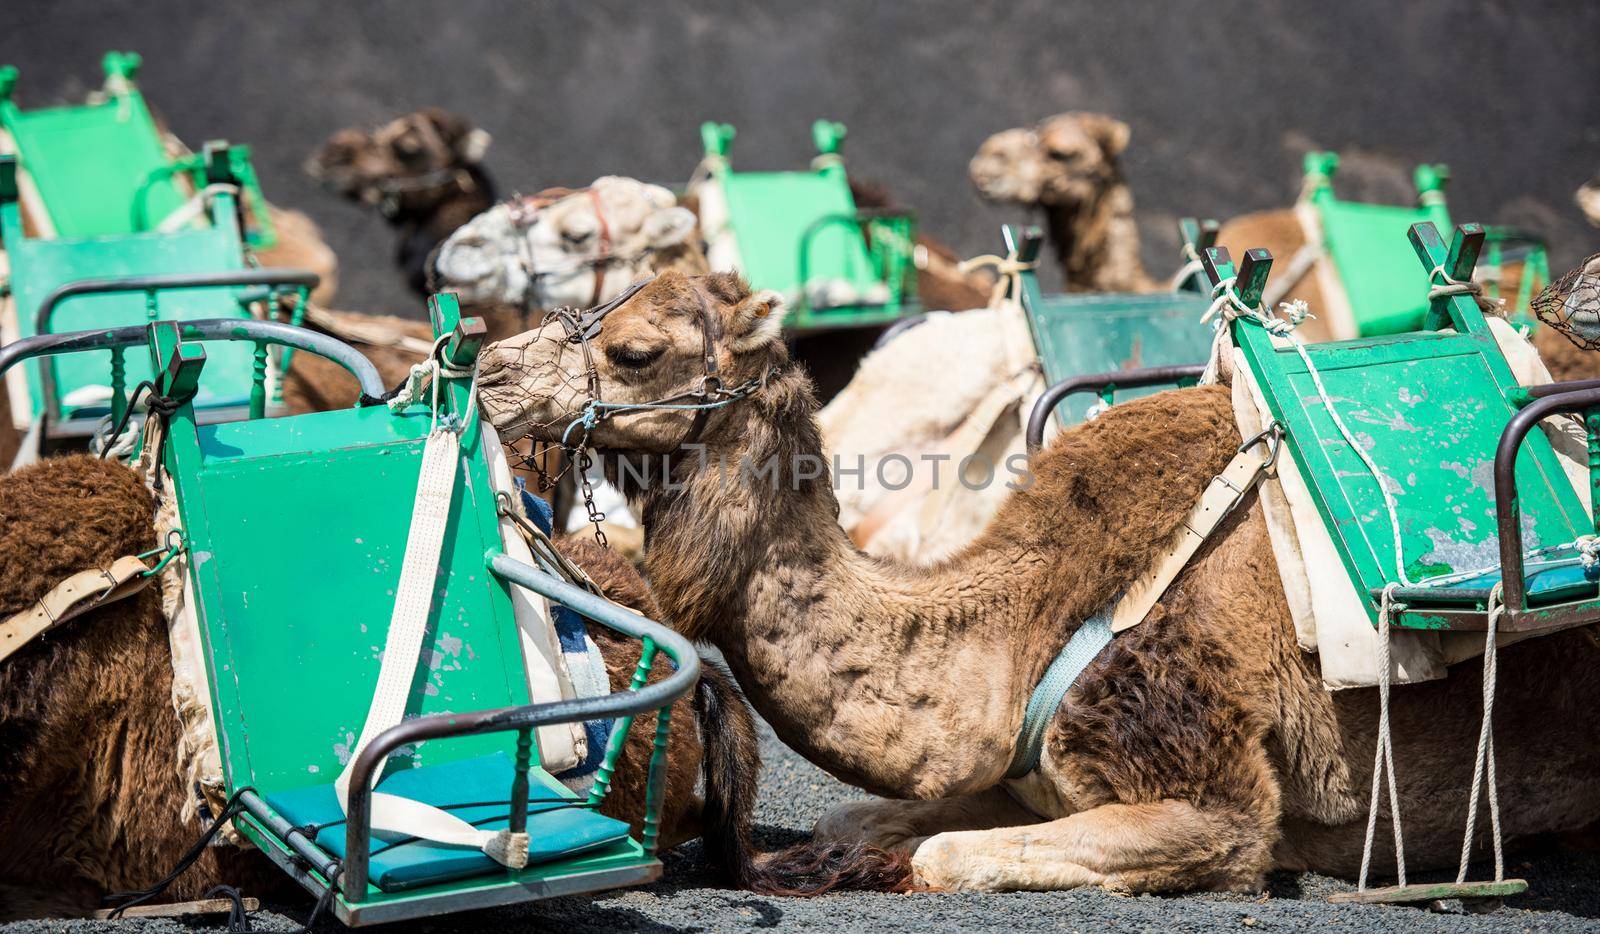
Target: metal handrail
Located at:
point(650, 697)
point(858, 221)
point(302, 278)
point(203, 329)
point(1095, 382)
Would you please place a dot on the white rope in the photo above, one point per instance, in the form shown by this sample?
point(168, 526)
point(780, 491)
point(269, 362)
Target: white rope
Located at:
point(1484, 765)
point(1449, 287)
point(1383, 757)
point(1192, 266)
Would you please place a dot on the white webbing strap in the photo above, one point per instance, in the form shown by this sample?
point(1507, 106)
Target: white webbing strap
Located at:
point(402, 651)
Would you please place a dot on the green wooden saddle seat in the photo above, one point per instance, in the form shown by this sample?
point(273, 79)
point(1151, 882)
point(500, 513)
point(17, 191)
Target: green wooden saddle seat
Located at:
point(1079, 334)
point(472, 789)
point(293, 533)
point(1428, 408)
point(1386, 293)
point(69, 283)
point(799, 233)
point(102, 168)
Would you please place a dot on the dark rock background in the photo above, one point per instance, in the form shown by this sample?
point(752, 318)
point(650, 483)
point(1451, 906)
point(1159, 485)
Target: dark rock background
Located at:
point(1223, 96)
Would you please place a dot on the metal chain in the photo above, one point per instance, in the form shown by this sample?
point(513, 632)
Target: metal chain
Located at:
point(586, 488)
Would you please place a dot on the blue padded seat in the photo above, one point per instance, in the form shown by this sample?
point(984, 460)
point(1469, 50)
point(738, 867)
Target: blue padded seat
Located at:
point(556, 828)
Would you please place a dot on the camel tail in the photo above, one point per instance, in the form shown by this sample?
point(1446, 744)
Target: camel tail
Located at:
point(732, 766)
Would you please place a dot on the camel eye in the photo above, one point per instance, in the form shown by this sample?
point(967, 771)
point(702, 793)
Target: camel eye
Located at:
point(633, 358)
point(576, 237)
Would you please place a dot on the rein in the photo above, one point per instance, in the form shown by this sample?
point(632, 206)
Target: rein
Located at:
point(525, 212)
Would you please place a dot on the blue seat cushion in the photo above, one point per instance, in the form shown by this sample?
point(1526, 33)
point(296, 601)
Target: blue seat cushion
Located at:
point(556, 827)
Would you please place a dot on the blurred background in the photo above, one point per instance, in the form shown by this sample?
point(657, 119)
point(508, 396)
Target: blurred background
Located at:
point(1223, 97)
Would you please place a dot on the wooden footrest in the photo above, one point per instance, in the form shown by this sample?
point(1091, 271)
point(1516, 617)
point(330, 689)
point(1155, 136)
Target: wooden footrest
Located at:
point(1408, 894)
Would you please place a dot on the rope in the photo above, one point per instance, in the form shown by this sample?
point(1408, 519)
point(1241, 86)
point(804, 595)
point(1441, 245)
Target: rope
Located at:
point(1192, 266)
point(1485, 760)
point(1383, 757)
point(129, 899)
point(1449, 287)
point(1008, 273)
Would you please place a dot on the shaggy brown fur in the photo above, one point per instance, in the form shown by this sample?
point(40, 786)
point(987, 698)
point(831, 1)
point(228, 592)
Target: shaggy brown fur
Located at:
point(92, 790)
point(1195, 752)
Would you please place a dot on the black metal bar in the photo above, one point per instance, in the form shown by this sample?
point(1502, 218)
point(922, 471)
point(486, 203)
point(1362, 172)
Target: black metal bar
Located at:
point(169, 282)
point(204, 329)
point(899, 327)
point(358, 831)
point(1121, 379)
point(292, 836)
point(1508, 514)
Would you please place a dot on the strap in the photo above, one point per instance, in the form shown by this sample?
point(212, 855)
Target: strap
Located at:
point(74, 596)
point(1084, 646)
point(1225, 492)
point(402, 651)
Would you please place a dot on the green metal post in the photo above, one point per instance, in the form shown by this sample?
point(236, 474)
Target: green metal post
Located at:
point(151, 308)
point(656, 784)
point(119, 381)
point(619, 731)
point(519, 782)
point(258, 382)
point(1591, 421)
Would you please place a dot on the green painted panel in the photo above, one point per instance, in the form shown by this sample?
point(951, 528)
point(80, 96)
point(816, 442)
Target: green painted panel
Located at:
point(297, 546)
point(1079, 334)
point(91, 162)
point(40, 266)
point(1386, 288)
point(1428, 408)
point(770, 213)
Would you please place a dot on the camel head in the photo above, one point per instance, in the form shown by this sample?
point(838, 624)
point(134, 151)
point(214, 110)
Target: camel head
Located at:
point(1066, 160)
point(651, 347)
point(562, 247)
point(1571, 304)
point(402, 163)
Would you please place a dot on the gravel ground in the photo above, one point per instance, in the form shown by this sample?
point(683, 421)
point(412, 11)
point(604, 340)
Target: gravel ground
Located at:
point(1563, 897)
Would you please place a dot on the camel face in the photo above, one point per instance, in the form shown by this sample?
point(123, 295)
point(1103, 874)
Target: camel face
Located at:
point(651, 348)
point(544, 251)
point(413, 150)
point(1067, 159)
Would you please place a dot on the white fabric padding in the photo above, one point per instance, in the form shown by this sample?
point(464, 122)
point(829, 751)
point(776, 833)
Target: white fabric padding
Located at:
point(561, 745)
point(1329, 616)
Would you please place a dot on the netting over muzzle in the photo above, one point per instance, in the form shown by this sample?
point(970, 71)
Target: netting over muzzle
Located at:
point(537, 383)
point(1571, 304)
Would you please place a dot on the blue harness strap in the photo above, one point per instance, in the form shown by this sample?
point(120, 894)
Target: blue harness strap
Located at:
point(1084, 647)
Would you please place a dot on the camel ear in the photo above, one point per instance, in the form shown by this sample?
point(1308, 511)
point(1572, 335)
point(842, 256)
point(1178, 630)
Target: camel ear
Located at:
point(668, 228)
point(1112, 134)
point(757, 321)
point(659, 196)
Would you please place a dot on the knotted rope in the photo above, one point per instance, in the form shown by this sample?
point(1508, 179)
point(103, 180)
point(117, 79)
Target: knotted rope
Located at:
point(1383, 757)
point(1008, 274)
point(1192, 266)
point(1484, 765)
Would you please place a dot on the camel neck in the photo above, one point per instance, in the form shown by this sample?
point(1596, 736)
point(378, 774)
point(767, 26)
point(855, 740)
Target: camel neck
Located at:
point(1097, 241)
point(848, 657)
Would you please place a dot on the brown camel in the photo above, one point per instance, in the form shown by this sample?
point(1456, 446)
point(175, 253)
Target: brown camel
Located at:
point(1068, 166)
point(422, 170)
point(1198, 751)
point(88, 740)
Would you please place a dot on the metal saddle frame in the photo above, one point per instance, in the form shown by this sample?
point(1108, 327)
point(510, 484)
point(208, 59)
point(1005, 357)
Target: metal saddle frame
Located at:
point(291, 573)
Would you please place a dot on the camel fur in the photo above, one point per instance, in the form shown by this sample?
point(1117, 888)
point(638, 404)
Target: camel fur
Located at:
point(1069, 167)
point(1198, 751)
point(89, 738)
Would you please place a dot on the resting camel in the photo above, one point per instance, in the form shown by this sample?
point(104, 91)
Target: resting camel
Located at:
point(89, 742)
point(423, 171)
point(1198, 751)
point(1068, 167)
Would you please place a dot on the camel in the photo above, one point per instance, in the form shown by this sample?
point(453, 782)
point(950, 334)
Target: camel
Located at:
point(423, 171)
point(1068, 167)
point(94, 789)
point(1198, 751)
point(577, 247)
point(1588, 199)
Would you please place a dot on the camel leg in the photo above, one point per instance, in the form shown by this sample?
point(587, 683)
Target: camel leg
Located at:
point(1159, 846)
point(892, 825)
